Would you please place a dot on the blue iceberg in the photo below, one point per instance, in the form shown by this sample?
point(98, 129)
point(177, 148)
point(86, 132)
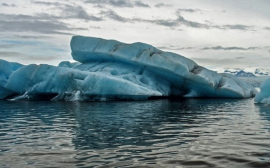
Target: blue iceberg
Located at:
point(110, 70)
point(6, 69)
point(264, 95)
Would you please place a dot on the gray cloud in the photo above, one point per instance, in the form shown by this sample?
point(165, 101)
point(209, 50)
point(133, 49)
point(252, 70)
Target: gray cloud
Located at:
point(69, 11)
point(41, 23)
point(162, 22)
point(47, 3)
point(5, 46)
point(118, 3)
point(237, 27)
point(95, 27)
point(32, 37)
point(159, 5)
point(180, 20)
point(8, 5)
point(172, 23)
point(46, 23)
point(77, 12)
point(188, 10)
point(267, 28)
point(10, 54)
point(35, 26)
point(5, 17)
point(114, 16)
point(229, 48)
point(52, 24)
point(188, 23)
point(140, 4)
point(239, 57)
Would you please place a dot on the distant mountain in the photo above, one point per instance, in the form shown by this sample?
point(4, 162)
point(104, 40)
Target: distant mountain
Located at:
point(231, 72)
point(262, 72)
point(240, 73)
point(244, 74)
point(248, 73)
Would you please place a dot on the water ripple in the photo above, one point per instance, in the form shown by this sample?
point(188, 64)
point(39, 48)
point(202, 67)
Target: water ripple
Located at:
point(211, 133)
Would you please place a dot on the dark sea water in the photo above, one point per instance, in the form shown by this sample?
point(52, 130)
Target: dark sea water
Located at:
point(192, 133)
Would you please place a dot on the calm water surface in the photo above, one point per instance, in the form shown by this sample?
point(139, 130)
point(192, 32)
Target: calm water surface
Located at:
point(160, 133)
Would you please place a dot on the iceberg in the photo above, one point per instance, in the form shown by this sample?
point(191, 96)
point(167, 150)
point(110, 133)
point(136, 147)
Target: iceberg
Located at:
point(184, 76)
point(6, 69)
point(264, 95)
point(60, 83)
point(112, 70)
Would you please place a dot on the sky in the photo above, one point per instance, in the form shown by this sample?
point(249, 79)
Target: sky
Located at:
point(213, 33)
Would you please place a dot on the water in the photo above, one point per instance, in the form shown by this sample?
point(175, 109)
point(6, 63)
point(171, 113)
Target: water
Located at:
point(191, 133)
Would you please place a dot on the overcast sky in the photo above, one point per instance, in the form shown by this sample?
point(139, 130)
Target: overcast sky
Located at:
point(214, 33)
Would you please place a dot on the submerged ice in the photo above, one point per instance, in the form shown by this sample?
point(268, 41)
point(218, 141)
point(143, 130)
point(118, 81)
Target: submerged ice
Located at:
point(108, 69)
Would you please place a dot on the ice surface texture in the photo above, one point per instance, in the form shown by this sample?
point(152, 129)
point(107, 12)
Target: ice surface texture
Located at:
point(108, 69)
point(264, 95)
point(6, 69)
point(184, 76)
